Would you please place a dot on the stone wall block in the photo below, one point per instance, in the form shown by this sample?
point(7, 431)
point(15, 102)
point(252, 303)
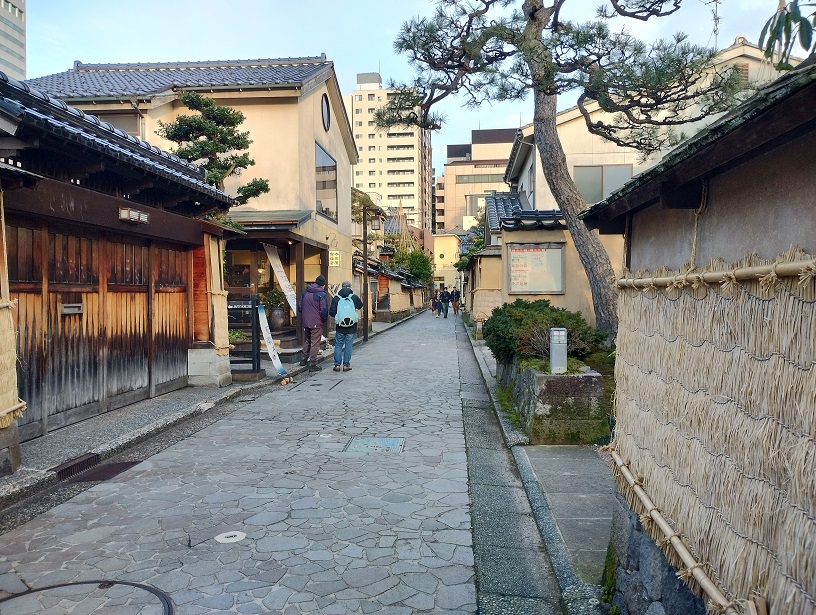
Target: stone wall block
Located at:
point(656, 608)
point(622, 528)
point(653, 567)
point(634, 593)
point(9, 449)
point(677, 597)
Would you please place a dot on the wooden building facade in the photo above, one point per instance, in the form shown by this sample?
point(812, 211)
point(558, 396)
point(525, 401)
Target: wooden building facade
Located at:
point(112, 279)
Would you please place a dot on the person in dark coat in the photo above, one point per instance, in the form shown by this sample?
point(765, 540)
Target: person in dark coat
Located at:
point(444, 299)
point(455, 297)
point(314, 312)
point(344, 335)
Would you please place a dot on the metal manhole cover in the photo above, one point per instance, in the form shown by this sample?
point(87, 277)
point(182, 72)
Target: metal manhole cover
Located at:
point(359, 444)
point(228, 537)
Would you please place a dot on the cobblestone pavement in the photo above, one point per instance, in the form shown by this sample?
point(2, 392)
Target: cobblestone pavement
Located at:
point(343, 493)
point(305, 526)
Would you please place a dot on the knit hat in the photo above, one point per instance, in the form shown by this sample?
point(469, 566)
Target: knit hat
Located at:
point(346, 284)
point(320, 280)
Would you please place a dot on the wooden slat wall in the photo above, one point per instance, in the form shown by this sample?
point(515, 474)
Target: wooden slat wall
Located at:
point(73, 353)
point(170, 334)
point(71, 366)
point(30, 354)
point(126, 360)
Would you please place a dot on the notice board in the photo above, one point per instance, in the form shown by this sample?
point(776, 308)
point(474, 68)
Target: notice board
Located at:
point(536, 268)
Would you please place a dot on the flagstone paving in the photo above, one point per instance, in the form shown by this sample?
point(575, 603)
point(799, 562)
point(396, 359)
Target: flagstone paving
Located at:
point(270, 510)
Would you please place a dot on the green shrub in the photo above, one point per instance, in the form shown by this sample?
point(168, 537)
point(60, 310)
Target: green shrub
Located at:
point(522, 329)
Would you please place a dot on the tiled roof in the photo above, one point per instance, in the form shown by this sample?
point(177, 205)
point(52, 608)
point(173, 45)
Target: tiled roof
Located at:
point(42, 113)
point(122, 80)
point(504, 211)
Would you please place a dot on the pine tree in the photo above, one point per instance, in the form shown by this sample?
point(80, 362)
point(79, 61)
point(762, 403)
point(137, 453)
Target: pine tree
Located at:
point(211, 140)
point(492, 50)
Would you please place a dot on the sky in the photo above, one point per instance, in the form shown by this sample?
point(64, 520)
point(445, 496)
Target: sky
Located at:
point(357, 35)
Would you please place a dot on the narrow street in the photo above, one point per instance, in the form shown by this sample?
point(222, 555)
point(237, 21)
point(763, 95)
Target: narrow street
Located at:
point(386, 489)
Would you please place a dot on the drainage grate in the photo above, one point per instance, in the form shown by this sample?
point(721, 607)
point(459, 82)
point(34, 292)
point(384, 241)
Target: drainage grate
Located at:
point(359, 444)
point(76, 465)
point(103, 472)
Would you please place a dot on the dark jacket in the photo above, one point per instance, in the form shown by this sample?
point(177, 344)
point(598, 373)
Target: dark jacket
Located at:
point(444, 296)
point(455, 295)
point(314, 307)
point(358, 304)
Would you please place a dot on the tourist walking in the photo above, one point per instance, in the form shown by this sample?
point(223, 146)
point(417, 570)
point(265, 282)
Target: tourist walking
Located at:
point(343, 309)
point(436, 305)
point(445, 298)
point(314, 312)
point(455, 297)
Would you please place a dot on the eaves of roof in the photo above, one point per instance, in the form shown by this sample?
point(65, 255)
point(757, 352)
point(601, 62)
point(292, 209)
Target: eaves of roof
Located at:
point(521, 148)
point(253, 220)
point(40, 113)
point(758, 120)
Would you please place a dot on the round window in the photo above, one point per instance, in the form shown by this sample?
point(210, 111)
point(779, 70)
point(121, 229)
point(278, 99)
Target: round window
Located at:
point(326, 112)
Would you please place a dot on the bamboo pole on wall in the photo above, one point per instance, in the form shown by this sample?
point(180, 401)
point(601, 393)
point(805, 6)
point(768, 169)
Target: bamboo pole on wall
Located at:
point(740, 274)
point(691, 563)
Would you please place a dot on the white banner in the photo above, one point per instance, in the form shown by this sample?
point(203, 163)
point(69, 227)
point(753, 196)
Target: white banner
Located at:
point(280, 274)
point(270, 343)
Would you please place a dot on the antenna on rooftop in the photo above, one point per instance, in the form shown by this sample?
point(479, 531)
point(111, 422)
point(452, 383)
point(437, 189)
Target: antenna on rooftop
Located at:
point(715, 18)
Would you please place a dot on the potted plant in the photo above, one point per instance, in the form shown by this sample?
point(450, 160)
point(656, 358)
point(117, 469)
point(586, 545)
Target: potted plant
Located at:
point(274, 301)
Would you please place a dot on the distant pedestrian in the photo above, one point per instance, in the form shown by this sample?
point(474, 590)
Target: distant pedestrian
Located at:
point(343, 309)
point(445, 298)
point(455, 297)
point(436, 305)
point(314, 311)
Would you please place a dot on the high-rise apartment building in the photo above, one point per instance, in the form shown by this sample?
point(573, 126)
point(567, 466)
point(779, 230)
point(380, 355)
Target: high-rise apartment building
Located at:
point(395, 163)
point(13, 39)
point(472, 171)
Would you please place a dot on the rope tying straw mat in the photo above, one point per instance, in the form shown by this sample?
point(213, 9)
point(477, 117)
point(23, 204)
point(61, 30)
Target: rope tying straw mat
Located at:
point(716, 411)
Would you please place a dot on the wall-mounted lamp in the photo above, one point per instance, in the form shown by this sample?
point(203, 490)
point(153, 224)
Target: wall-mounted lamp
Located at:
point(128, 214)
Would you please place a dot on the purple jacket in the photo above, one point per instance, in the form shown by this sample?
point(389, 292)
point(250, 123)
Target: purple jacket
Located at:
point(314, 306)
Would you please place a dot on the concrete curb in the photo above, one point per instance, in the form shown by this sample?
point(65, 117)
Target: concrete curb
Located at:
point(577, 598)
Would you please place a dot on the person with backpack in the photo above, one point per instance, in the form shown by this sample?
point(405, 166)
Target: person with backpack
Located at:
point(314, 312)
point(344, 308)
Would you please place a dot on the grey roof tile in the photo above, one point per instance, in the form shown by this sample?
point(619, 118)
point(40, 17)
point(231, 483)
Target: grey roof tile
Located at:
point(37, 109)
point(122, 80)
point(504, 210)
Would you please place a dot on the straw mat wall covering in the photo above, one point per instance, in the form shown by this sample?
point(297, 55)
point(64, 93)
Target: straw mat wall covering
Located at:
point(716, 416)
point(10, 405)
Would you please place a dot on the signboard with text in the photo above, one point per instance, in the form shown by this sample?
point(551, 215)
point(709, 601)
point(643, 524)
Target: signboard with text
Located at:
point(536, 268)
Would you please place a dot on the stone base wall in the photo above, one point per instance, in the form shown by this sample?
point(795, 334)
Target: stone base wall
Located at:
point(557, 408)
point(206, 368)
point(393, 316)
point(9, 449)
point(645, 583)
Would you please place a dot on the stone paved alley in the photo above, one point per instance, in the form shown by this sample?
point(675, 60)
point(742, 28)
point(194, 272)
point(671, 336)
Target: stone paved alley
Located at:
point(289, 504)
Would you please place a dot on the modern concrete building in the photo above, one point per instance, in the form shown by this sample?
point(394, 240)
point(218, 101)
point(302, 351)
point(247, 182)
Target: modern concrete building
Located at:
point(394, 163)
point(13, 38)
point(472, 171)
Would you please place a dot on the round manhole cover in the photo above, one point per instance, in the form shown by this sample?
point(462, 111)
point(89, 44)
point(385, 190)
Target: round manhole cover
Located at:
point(103, 596)
point(230, 537)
